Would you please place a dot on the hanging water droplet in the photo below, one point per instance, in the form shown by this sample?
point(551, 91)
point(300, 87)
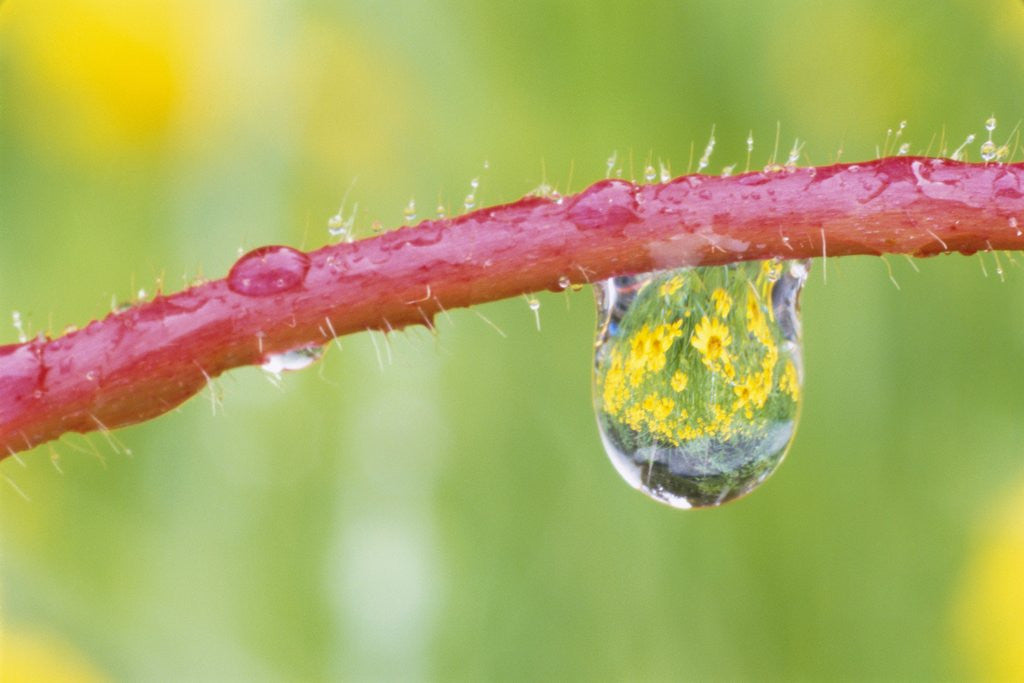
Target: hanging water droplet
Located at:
point(564, 282)
point(650, 174)
point(410, 211)
point(990, 124)
point(469, 202)
point(290, 361)
point(697, 377)
point(750, 141)
point(267, 271)
point(441, 211)
point(904, 149)
point(534, 305)
point(664, 174)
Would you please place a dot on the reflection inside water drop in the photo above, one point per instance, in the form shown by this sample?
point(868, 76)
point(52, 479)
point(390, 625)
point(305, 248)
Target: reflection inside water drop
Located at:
point(697, 377)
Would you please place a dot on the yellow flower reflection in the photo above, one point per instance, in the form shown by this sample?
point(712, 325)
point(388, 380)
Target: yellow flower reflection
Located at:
point(790, 381)
point(670, 286)
point(679, 381)
point(712, 338)
point(722, 301)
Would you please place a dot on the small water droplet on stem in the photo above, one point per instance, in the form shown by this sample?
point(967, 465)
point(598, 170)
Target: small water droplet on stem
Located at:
point(268, 270)
point(610, 164)
point(988, 151)
point(705, 158)
point(291, 361)
point(18, 326)
point(959, 151)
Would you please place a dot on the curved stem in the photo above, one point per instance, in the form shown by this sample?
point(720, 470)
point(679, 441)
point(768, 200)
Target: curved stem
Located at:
point(143, 361)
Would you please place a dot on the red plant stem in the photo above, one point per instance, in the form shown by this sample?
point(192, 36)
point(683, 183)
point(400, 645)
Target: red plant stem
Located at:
point(139, 363)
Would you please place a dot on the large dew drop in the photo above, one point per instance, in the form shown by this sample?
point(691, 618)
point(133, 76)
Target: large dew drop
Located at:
point(268, 270)
point(697, 377)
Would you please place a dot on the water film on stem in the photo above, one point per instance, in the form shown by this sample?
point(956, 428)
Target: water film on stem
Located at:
point(697, 377)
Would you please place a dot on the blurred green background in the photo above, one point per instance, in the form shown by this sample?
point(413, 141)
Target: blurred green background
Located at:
point(453, 516)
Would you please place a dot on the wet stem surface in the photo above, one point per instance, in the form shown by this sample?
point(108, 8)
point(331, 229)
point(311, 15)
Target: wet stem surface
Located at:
point(142, 361)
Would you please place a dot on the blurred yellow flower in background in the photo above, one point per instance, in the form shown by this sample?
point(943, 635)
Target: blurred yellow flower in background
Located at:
point(988, 616)
point(118, 67)
point(35, 657)
point(184, 85)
